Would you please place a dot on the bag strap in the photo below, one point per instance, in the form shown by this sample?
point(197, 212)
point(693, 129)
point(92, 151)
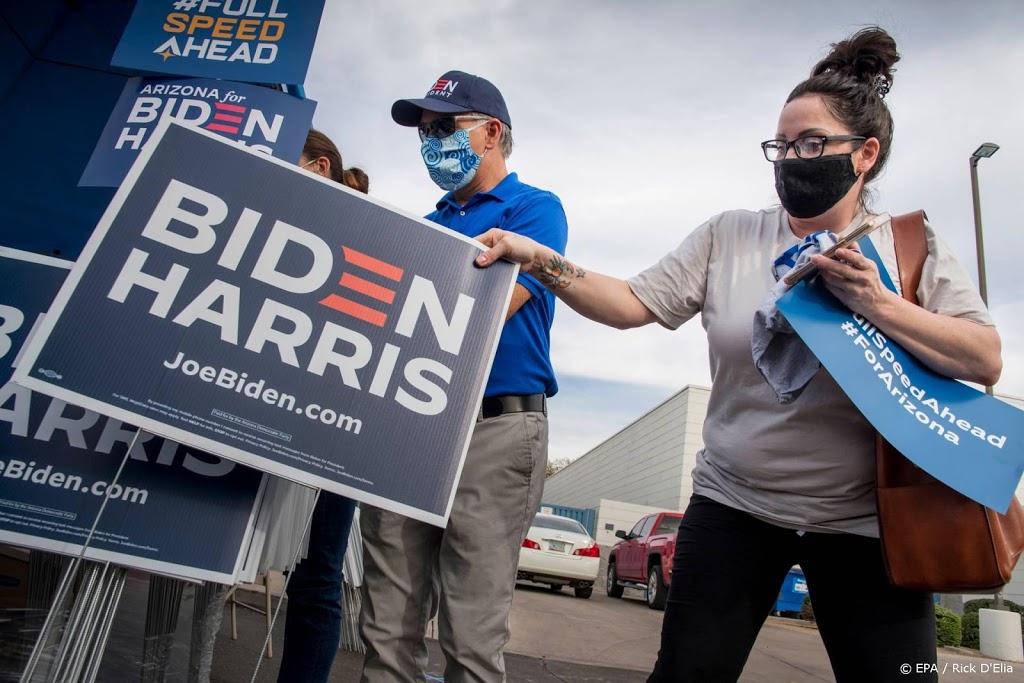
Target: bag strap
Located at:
point(911, 250)
point(894, 470)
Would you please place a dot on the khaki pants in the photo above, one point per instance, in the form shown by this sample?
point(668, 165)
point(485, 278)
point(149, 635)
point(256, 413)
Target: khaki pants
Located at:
point(466, 571)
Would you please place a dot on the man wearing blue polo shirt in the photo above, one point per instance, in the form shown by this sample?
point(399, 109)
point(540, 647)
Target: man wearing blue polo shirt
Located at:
point(467, 570)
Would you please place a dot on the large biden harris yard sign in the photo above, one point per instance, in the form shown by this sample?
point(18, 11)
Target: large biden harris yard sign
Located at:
point(240, 305)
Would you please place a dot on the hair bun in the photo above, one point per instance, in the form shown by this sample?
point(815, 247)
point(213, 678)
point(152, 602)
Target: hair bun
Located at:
point(357, 179)
point(867, 56)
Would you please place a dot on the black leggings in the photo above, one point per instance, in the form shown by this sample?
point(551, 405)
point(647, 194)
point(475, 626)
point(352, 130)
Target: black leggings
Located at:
point(727, 573)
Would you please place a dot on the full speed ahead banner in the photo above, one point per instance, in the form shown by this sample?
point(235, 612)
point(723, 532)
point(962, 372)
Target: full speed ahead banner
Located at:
point(173, 510)
point(243, 306)
point(259, 41)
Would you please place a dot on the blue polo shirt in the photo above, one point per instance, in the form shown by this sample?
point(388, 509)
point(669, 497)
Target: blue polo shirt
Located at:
point(522, 364)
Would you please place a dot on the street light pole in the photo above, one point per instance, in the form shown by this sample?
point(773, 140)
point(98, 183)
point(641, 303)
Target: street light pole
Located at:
point(978, 239)
point(986, 150)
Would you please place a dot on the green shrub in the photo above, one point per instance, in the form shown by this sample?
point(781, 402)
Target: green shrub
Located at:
point(969, 624)
point(806, 611)
point(969, 636)
point(990, 603)
point(947, 626)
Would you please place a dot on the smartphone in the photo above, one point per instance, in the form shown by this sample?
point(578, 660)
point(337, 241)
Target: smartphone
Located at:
point(807, 269)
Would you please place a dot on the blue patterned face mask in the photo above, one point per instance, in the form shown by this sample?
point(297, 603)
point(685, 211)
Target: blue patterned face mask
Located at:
point(451, 161)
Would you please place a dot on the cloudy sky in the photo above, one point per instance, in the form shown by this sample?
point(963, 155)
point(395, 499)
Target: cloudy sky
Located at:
point(645, 118)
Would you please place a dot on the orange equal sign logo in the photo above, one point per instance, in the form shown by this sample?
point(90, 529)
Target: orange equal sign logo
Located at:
point(227, 118)
point(364, 287)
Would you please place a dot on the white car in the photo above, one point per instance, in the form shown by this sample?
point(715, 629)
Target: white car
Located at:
point(558, 551)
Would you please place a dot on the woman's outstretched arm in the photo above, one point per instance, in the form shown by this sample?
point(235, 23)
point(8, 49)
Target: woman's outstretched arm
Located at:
point(601, 298)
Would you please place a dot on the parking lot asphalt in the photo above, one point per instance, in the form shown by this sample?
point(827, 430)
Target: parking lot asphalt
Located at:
point(623, 635)
point(556, 637)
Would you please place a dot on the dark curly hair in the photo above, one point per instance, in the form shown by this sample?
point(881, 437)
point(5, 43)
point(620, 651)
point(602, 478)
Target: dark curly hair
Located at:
point(852, 82)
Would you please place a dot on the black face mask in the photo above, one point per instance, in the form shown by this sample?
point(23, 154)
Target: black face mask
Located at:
point(810, 187)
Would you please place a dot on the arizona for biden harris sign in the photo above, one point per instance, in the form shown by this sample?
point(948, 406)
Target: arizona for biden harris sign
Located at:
point(252, 115)
point(240, 305)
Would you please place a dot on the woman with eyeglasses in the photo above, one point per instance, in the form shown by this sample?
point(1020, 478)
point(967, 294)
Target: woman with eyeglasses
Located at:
point(314, 617)
point(779, 484)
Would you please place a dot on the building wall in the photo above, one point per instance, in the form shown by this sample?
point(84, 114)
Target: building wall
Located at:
point(1015, 589)
point(693, 439)
point(647, 463)
point(619, 515)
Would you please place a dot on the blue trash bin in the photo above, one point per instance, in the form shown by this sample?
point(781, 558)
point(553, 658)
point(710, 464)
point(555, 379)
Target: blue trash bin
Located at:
point(794, 589)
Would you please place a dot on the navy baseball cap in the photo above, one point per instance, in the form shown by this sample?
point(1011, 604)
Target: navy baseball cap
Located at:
point(456, 92)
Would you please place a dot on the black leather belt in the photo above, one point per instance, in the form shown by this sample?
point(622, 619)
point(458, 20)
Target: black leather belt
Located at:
point(493, 406)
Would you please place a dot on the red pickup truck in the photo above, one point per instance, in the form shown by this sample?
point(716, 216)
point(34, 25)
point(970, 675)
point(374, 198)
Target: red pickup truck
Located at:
point(643, 558)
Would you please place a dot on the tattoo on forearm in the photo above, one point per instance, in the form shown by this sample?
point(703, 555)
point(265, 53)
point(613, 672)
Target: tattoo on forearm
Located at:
point(557, 273)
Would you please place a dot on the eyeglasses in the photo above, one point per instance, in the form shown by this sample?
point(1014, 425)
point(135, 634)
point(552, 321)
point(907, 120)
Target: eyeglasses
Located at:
point(445, 126)
point(807, 147)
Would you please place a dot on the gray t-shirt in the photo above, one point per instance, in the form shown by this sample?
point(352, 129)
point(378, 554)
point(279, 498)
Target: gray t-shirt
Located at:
point(810, 464)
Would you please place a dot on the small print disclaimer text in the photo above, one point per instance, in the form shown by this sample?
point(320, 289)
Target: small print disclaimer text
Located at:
point(957, 668)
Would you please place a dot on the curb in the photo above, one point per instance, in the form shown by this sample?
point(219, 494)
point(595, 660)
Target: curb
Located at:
point(971, 652)
point(786, 621)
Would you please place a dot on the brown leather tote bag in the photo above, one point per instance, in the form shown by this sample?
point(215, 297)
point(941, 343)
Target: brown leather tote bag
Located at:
point(934, 538)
